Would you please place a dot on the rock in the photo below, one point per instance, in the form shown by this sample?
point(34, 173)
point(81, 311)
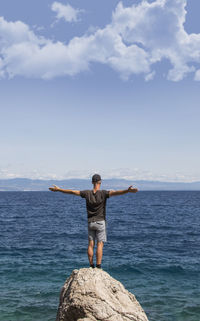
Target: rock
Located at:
point(93, 295)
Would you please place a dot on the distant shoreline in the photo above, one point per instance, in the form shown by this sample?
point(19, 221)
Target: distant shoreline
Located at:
point(26, 184)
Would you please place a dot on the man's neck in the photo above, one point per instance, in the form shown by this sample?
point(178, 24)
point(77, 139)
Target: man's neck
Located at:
point(96, 188)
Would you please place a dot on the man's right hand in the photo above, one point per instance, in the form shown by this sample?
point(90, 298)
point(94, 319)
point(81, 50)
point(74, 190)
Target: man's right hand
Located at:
point(54, 189)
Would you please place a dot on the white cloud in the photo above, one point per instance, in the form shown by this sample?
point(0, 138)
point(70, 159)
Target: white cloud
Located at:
point(136, 39)
point(197, 75)
point(133, 174)
point(158, 28)
point(150, 76)
point(66, 12)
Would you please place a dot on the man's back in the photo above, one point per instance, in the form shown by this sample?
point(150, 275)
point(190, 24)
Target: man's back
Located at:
point(96, 204)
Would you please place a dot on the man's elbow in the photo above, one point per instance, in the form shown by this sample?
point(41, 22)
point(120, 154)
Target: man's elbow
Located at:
point(112, 193)
point(77, 193)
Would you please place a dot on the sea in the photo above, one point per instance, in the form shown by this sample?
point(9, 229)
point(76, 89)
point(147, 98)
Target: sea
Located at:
point(153, 248)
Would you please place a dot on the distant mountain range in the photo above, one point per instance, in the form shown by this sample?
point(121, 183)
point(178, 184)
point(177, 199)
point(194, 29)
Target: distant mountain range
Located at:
point(26, 184)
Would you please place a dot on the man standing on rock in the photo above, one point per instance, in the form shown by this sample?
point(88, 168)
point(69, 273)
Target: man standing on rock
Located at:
point(96, 211)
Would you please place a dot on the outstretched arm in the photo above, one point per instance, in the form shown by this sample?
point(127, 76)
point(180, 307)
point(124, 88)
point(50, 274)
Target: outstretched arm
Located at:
point(67, 191)
point(124, 191)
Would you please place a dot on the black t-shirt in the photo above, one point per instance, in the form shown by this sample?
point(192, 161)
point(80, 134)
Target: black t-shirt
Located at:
point(96, 204)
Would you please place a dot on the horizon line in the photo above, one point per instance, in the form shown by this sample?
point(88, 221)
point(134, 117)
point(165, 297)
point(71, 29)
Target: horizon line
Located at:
point(111, 178)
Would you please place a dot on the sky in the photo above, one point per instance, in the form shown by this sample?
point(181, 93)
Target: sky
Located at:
point(100, 86)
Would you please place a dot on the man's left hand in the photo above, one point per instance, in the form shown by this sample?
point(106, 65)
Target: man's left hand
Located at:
point(132, 190)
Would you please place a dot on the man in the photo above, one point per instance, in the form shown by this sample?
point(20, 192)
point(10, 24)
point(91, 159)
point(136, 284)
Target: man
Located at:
point(96, 211)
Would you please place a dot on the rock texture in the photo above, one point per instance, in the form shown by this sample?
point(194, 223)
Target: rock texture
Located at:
point(93, 295)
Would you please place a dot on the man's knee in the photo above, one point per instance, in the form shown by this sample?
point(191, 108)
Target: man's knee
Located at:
point(100, 244)
point(91, 244)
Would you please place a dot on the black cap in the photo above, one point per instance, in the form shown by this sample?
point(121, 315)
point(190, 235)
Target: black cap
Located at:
point(96, 178)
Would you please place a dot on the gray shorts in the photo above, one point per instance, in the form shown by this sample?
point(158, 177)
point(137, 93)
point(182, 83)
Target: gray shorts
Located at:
point(97, 230)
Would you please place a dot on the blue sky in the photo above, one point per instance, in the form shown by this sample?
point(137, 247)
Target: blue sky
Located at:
point(109, 87)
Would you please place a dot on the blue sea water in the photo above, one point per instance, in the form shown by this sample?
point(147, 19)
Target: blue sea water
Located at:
point(153, 248)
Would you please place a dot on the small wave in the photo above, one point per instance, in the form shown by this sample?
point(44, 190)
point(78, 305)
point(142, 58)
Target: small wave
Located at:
point(178, 269)
point(173, 269)
point(163, 205)
point(126, 268)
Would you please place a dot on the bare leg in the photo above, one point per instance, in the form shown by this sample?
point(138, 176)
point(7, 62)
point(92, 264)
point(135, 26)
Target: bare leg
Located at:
point(99, 252)
point(90, 251)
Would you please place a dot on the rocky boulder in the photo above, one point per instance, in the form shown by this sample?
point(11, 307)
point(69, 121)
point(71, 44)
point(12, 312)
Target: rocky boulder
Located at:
point(93, 295)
